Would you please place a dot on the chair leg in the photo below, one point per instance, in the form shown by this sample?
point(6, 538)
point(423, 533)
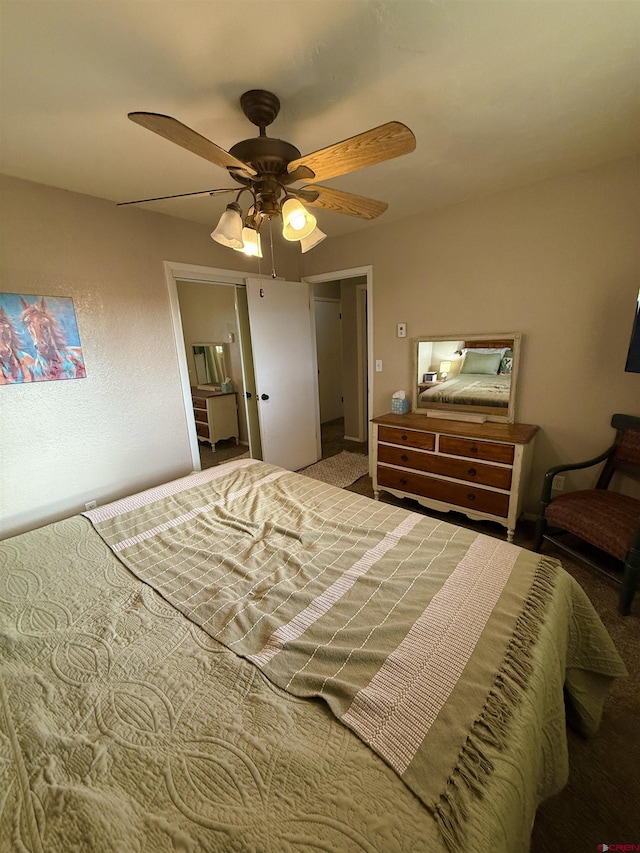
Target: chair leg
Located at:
point(630, 581)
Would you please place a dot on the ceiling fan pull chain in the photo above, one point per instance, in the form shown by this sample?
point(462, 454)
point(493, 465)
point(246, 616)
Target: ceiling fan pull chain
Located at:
point(273, 263)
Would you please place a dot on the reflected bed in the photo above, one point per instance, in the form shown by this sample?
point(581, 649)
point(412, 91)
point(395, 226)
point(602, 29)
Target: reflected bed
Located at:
point(247, 659)
point(470, 389)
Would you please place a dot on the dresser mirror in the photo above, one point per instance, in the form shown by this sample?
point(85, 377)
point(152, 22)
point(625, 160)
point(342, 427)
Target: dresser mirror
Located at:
point(211, 363)
point(470, 377)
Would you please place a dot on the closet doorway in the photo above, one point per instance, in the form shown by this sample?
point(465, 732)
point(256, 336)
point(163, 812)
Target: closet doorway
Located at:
point(208, 316)
point(278, 363)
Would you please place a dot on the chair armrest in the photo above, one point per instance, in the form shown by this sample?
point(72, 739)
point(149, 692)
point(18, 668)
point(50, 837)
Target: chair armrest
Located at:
point(545, 496)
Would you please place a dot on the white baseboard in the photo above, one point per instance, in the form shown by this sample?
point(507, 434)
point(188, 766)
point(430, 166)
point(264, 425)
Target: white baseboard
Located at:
point(352, 438)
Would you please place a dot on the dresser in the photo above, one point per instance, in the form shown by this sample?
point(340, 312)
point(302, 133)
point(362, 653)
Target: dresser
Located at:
point(216, 415)
point(477, 469)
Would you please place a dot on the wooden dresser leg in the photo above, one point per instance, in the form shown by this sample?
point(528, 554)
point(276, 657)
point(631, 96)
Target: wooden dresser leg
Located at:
point(510, 532)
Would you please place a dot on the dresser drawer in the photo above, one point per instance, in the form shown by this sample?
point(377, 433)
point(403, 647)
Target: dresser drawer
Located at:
point(474, 472)
point(202, 429)
point(407, 437)
point(200, 402)
point(201, 416)
point(490, 450)
point(458, 494)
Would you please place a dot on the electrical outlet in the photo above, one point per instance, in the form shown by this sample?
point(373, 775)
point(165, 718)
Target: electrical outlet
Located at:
point(558, 483)
point(91, 504)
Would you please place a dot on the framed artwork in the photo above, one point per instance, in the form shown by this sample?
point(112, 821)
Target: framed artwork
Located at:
point(39, 339)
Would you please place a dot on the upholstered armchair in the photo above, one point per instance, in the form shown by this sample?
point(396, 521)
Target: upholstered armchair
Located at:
point(601, 516)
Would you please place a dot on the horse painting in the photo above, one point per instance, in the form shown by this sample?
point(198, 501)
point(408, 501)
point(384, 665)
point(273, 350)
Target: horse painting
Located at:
point(16, 365)
point(55, 359)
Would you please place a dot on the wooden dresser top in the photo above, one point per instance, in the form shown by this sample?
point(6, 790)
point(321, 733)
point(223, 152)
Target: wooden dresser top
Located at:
point(204, 392)
point(516, 433)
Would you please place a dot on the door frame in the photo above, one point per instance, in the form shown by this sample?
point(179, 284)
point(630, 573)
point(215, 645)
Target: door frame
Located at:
point(365, 378)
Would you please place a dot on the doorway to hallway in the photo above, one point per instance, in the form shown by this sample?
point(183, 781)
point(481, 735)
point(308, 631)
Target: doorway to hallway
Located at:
point(343, 340)
point(334, 442)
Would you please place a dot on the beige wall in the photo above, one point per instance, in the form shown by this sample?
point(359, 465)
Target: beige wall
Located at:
point(123, 428)
point(557, 261)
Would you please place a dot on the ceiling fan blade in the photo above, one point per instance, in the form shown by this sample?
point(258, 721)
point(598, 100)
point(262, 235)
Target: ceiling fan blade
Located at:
point(366, 149)
point(180, 195)
point(175, 131)
point(353, 205)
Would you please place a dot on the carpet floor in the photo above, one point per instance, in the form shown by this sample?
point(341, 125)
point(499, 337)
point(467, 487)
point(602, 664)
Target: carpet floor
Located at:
point(224, 451)
point(340, 470)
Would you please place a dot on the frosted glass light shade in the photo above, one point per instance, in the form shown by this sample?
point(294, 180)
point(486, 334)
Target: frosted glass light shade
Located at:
point(316, 236)
point(297, 222)
point(250, 243)
point(228, 231)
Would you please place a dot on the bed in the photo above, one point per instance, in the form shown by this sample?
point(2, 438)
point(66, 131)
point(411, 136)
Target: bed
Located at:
point(246, 659)
point(470, 389)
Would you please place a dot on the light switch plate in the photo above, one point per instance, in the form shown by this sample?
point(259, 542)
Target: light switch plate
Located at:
point(402, 330)
point(379, 365)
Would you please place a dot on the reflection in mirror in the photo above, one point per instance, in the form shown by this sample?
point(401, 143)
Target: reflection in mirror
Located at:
point(470, 376)
point(210, 362)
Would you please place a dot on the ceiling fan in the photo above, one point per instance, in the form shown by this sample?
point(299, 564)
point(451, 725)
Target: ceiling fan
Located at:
point(267, 168)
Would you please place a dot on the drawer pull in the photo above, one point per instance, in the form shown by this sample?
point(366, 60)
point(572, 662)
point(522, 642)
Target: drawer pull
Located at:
point(404, 457)
point(473, 448)
point(405, 437)
point(471, 496)
point(472, 472)
point(403, 482)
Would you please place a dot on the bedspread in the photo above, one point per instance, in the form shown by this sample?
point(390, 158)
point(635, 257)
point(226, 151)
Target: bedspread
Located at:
point(417, 634)
point(470, 389)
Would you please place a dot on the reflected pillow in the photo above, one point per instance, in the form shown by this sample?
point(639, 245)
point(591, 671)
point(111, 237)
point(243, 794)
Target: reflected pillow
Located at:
point(486, 363)
point(501, 350)
point(506, 365)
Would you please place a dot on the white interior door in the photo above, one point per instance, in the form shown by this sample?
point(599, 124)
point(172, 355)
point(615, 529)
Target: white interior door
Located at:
point(285, 364)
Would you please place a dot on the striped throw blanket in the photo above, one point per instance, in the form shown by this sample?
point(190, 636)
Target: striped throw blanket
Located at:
point(415, 632)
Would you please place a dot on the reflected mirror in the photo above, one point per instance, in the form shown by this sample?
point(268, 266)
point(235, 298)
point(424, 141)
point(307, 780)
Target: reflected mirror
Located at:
point(210, 361)
point(472, 375)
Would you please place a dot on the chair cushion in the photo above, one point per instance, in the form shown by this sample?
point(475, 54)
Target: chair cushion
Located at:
point(605, 519)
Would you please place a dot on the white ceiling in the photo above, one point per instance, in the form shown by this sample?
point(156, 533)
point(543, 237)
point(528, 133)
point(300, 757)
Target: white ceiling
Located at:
point(499, 94)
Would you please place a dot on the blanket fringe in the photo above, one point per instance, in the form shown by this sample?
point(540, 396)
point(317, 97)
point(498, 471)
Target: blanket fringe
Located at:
point(491, 728)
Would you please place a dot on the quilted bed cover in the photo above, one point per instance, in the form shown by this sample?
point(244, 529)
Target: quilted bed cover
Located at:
point(470, 389)
point(249, 660)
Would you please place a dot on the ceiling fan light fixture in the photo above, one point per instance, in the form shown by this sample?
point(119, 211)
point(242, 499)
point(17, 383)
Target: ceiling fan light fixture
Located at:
point(251, 245)
point(228, 231)
point(316, 236)
point(297, 222)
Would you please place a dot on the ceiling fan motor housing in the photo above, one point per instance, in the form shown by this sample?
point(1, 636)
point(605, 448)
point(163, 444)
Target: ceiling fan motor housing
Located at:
point(270, 158)
point(267, 156)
